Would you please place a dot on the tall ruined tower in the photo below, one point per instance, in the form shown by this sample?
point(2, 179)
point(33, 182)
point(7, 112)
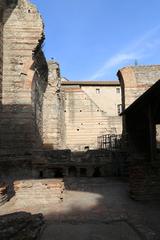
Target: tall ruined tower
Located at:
point(53, 110)
point(23, 79)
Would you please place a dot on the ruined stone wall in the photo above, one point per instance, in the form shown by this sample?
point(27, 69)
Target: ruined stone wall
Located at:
point(22, 39)
point(1, 41)
point(85, 119)
point(144, 181)
point(53, 110)
point(136, 80)
point(1, 45)
point(39, 85)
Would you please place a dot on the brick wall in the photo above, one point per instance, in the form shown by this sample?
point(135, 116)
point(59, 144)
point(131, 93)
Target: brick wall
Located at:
point(22, 39)
point(53, 114)
point(1, 46)
point(144, 181)
point(136, 80)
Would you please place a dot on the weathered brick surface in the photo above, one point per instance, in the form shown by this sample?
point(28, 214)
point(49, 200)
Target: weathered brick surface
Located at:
point(21, 225)
point(23, 81)
point(53, 110)
point(135, 80)
point(1, 44)
point(144, 182)
point(64, 163)
point(38, 192)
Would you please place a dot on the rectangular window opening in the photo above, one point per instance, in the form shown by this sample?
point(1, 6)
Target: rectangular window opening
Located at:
point(98, 91)
point(118, 90)
point(119, 108)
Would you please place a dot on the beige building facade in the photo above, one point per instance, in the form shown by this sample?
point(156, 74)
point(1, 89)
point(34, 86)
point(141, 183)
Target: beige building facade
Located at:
point(91, 110)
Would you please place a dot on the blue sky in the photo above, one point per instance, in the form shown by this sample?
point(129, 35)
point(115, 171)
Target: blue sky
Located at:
point(92, 39)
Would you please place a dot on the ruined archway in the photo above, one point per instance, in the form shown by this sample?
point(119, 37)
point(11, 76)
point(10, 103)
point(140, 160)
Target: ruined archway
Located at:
point(72, 171)
point(97, 172)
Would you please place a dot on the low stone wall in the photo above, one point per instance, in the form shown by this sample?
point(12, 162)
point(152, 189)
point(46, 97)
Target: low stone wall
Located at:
point(21, 225)
point(92, 163)
point(38, 192)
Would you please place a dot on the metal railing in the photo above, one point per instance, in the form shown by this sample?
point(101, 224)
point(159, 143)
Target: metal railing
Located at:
point(112, 141)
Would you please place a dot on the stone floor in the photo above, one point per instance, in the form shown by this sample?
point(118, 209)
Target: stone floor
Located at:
point(87, 231)
point(94, 209)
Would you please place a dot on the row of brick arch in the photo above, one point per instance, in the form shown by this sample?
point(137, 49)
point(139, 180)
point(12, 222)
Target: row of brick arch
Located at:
point(72, 171)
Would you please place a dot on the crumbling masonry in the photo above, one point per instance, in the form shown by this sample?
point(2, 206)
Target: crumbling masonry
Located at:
point(50, 128)
point(24, 74)
point(39, 118)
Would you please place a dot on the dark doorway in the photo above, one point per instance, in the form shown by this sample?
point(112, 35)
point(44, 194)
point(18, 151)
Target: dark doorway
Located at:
point(97, 172)
point(58, 173)
point(41, 174)
point(83, 172)
point(72, 171)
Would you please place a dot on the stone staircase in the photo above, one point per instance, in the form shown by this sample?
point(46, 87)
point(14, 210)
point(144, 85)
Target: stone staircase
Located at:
point(30, 193)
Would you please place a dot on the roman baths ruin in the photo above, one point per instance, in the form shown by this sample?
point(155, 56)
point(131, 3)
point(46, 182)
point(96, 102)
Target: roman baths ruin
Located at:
point(77, 158)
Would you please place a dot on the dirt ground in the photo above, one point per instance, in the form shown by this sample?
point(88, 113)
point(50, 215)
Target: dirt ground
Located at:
point(95, 209)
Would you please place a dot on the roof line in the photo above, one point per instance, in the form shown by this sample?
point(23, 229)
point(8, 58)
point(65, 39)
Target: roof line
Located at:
point(111, 83)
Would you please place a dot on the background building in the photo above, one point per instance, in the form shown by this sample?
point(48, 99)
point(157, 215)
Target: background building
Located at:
point(91, 109)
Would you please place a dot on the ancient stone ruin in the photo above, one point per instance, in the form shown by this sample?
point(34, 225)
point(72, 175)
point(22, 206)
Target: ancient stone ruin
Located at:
point(44, 119)
point(24, 75)
point(62, 141)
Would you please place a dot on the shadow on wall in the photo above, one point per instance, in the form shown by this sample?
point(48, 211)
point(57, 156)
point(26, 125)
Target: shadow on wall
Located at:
point(19, 140)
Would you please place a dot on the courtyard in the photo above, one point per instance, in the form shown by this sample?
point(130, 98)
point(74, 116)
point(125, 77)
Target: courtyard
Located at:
point(90, 208)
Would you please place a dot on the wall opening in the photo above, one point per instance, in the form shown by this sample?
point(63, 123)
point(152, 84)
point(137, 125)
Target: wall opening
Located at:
point(119, 108)
point(118, 90)
point(97, 172)
point(98, 90)
point(72, 172)
point(41, 174)
point(83, 172)
point(158, 137)
point(58, 173)
point(86, 148)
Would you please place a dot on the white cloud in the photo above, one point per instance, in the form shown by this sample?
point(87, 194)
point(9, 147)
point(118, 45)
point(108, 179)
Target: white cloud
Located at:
point(113, 61)
point(141, 48)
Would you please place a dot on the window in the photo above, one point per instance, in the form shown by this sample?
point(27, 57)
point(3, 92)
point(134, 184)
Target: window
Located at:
point(86, 147)
point(119, 108)
point(41, 174)
point(72, 172)
point(97, 172)
point(83, 172)
point(97, 90)
point(118, 90)
point(158, 137)
point(58, 172)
